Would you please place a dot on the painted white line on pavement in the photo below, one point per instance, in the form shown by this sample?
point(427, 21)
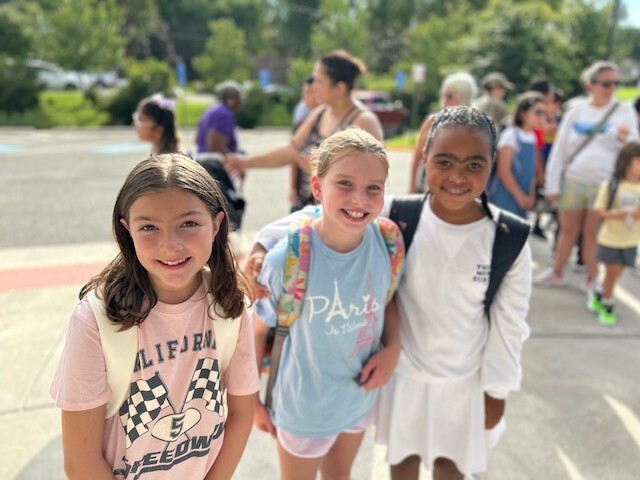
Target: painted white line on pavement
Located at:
point(627, 298)
point(626, 415)
point(571, 469)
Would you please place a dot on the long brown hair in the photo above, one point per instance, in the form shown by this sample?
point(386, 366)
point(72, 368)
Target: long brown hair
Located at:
point(124, 284)
point(630, 151)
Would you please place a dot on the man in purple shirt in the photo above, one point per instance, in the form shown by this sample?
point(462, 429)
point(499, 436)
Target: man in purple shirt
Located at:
point(217, 127)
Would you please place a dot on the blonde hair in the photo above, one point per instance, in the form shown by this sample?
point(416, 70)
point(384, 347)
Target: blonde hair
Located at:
point(351, 140)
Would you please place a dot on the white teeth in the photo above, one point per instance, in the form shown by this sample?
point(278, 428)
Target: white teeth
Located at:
point(456, 191)
point(354, 214)
point(178, 262)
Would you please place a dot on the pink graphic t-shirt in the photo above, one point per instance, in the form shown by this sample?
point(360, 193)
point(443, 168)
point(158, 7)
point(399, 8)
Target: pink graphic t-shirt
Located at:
point(172, 424)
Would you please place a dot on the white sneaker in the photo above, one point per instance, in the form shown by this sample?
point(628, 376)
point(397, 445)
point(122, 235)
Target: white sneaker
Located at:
point(549, 278)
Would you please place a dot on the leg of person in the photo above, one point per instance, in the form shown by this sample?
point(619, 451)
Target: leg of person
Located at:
point(570, 225)
point(408, 469)
point(336, 465)
point(612, 273)
point(296, 468)
point(445, 469)
point(590, 247)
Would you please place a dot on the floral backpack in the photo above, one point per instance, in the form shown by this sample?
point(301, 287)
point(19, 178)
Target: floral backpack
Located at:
point(294, 284)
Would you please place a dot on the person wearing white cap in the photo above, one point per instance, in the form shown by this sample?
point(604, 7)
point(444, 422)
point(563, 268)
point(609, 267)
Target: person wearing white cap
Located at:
point(495, 86)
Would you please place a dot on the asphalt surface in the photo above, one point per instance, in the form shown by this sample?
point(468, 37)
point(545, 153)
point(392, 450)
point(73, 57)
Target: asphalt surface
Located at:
point(576, 417)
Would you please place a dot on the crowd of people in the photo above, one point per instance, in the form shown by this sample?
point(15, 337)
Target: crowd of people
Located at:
point(391, 311)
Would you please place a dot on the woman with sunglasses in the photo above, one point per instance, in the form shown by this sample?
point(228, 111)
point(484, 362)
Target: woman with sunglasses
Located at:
point(334, 78)
point(582, 157)
point(457, 89)
point(512, 185)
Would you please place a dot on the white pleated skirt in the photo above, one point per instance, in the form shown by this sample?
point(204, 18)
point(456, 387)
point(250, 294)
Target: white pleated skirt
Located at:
point(433, 420)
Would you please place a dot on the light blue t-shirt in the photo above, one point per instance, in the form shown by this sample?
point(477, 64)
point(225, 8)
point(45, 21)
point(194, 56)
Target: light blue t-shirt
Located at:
point(338, 330)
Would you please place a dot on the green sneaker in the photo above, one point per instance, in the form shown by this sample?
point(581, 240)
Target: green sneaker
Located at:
point(607, 316)
point(594, 302)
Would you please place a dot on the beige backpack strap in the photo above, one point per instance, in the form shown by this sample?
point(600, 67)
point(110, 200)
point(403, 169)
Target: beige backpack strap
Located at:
point(119, 350)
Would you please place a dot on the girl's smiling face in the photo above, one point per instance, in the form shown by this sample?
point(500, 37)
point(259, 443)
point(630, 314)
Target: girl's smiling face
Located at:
point(173, 233)
point(458, 164)
point(351, 191)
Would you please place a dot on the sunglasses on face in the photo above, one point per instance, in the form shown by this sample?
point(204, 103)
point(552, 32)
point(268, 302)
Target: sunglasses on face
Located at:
point(137, 121)
point(609, 84)
point(447, 96)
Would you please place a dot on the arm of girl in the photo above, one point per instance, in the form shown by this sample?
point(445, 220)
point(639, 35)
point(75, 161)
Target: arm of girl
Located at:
point(237, 428)
point(379, 368)
point(82, 434)
point(559, 156)
point(501, 369)
point(261, 418)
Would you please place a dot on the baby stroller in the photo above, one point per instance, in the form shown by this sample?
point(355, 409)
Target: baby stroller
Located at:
point(214, 164)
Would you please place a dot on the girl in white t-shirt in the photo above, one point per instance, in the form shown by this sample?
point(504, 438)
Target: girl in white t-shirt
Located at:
point(444, 403)
point(512, 184)
point(175, 266)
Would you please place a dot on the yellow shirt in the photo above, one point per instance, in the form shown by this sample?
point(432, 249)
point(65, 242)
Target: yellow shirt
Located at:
point(616, 232)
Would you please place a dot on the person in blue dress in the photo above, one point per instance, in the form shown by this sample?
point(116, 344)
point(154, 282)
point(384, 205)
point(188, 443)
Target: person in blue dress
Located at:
point(512, 185)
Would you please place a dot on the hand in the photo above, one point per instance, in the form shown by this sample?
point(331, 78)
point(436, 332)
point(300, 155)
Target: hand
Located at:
point(526, 202)
point(234, 164)
point(379, 368)
point(252, 270)
point(493, 411)
point(623, 132)
point(553, 198)
point(262, 420)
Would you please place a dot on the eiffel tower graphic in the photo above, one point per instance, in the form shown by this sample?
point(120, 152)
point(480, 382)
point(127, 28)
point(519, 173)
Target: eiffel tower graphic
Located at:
point(368, 335)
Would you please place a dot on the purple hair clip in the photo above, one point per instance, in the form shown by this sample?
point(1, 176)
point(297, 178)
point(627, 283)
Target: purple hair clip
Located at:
point(164, 103)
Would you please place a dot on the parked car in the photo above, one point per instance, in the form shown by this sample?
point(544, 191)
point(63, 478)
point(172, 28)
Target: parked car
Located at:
point(392, 114)
point(55, 78)
point(103, 79)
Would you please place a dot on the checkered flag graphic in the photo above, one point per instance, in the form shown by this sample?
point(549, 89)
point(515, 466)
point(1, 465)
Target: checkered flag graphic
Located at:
point(146, 400)
point(205, 384)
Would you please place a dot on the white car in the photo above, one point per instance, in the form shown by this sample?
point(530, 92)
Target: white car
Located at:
point(55, 78)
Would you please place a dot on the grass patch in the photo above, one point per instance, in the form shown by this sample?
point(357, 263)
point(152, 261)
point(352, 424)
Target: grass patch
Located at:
point(188, 113)
point(627, 94)
point(407, 140)
point(71, 109)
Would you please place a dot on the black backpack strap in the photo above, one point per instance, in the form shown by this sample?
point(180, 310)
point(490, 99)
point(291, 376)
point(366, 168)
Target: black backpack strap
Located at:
point(405, 211)
point(511, 235)
point(613, 188)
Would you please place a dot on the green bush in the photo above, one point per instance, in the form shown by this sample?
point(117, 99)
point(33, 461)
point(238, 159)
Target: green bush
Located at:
point(71, 109)
point(277, 115)
point(145, 78)
point(254, 101)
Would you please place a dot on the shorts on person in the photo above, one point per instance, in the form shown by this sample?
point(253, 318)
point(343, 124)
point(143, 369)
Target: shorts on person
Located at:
point(304, 447)
point(577, 195)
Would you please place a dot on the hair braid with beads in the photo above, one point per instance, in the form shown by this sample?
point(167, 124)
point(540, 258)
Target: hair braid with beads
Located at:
point(471, 118)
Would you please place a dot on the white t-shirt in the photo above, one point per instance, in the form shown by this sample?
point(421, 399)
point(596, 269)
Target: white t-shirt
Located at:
point(594, 163)
point(508, 138)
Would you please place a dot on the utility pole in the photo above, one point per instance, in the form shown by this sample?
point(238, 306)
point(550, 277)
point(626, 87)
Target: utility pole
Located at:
point(612, 28)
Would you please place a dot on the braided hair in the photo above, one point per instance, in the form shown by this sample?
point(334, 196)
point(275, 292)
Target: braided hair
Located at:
point(471, 118)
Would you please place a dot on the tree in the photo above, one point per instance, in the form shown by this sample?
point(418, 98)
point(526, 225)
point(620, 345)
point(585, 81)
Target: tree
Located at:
point(141, 22)
point(294, 20)
point(18, 87)
point(341, 26)
point(81, 34)
point(225, 55)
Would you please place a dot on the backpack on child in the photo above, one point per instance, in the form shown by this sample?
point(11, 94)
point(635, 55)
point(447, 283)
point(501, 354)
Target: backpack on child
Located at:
point(213, 163)
point(120, 348)
point(511, 235)
point(297, 261)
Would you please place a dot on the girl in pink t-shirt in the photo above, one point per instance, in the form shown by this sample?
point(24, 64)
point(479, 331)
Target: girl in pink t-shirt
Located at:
point(174, 267)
